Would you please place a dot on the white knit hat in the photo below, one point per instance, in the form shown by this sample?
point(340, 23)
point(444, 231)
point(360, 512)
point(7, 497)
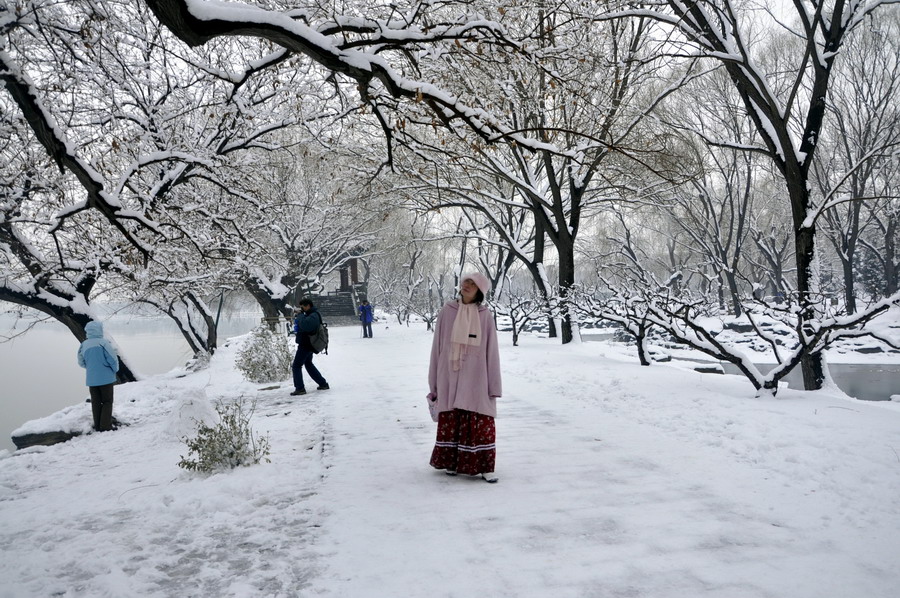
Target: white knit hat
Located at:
point(480, 280)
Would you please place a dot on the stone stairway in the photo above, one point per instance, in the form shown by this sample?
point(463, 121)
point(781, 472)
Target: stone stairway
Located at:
point(337, 309)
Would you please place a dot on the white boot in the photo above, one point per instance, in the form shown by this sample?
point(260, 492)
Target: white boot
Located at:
point(490, 477)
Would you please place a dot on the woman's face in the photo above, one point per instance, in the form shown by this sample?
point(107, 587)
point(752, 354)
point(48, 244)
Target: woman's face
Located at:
point(468, 290)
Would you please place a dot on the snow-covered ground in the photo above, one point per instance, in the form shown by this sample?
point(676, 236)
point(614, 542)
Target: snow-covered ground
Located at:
point(615, 481)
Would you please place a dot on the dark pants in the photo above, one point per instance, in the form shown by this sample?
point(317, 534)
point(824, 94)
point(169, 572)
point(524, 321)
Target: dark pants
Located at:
point(101, 406)
point(302, 359)
point(367, 329)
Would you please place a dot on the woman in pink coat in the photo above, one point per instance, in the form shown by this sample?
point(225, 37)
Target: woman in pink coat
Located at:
point(464, 379)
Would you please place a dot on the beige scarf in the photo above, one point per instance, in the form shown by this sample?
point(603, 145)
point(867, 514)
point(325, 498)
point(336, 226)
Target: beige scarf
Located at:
point(466, 332)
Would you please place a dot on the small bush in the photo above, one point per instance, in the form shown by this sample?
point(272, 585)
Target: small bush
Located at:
point(266, 357)
point(227, 444)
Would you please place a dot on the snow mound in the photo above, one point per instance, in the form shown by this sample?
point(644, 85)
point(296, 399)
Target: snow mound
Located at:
point(193, 409)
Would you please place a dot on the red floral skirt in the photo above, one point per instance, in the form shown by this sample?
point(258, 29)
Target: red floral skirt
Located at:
point(465, 442)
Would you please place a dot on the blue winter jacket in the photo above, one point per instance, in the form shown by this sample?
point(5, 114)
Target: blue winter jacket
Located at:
point(365, 314)
point(98, 357)
point(305, 325)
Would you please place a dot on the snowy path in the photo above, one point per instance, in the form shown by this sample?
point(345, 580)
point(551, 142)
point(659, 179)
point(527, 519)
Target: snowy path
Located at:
point(594, 499)
point(615, 481)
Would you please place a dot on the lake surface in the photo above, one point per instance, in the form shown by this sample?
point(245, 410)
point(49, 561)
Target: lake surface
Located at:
point(864, 381)
point(39, 372)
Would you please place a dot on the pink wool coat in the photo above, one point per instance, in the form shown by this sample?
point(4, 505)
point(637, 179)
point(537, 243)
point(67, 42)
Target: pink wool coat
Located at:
point(476, 386)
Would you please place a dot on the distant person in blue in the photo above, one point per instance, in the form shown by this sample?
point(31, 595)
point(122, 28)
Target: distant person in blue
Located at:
point(306, 322)
point(99, 358)
point(365, 316)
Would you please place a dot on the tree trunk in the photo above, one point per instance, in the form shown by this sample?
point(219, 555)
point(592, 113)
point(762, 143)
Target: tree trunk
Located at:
point(212, 334)
point(273, 308)
point(890, 263)
point(641, 337)
point(811, 364)
point(537, 274)
point(736, 307)
point(849, 288)
point(566, 282)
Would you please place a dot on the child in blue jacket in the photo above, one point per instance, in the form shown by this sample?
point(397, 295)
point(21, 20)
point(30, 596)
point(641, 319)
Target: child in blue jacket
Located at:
point(99, 358)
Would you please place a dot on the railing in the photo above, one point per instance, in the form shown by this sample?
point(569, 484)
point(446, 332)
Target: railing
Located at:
point(272, 323)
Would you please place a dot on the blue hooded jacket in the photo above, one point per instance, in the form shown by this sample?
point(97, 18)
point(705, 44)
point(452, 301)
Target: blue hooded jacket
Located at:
point(98, 356)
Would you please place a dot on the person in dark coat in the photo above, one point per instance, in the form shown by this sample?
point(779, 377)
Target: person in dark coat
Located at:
point(101, 362)
point(365, 316)
point(305, 325)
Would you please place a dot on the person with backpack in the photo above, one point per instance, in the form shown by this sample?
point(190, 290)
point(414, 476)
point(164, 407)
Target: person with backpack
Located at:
point(365, 316)
point(306, 324)
point(99, 358)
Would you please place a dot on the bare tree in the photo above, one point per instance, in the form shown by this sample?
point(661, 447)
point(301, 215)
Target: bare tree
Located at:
point(858, 155)
point(521, 307)
point(411, 271)
point(881, 243)
point(584, 95)
point(787, 104)
point(713, 209)
point(136, 139)
point(314, 218)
